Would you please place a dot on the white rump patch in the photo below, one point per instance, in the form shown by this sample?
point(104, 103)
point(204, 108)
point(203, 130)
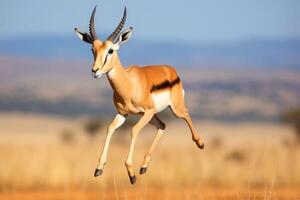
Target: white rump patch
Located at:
point(161, 100)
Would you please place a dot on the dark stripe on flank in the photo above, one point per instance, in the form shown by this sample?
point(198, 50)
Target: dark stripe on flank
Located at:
point(166, 84)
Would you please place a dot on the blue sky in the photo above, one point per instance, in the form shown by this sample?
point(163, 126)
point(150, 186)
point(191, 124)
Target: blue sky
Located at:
point(190, 20)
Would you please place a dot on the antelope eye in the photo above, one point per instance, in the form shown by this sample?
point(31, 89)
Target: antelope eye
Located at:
point(110, 51)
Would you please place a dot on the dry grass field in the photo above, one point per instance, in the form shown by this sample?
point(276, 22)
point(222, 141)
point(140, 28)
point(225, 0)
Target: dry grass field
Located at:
point(49, 157)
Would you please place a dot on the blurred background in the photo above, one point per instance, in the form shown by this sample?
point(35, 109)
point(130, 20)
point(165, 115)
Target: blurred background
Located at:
point(240, 65)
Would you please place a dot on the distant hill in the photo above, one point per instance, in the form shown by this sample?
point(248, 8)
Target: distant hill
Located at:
point(244, 80)
point(254, 53)
point(64, 87)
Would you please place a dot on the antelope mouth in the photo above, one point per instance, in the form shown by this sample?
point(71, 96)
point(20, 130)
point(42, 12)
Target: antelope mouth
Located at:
point(97, 76)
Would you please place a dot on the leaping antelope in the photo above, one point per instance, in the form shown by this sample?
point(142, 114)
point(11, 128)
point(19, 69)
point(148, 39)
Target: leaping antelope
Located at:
point(136, 90)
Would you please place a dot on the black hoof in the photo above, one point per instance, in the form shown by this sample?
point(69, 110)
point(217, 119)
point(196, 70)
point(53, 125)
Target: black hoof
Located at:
point(143, 170)
point(132, 179)
point(98, 172)
point(201, 146)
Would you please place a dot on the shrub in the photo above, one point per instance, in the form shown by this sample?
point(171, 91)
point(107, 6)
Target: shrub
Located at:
point(236, 156)
point(67, 136)
point(92, 125)
point(292, 117)
point(216, 142)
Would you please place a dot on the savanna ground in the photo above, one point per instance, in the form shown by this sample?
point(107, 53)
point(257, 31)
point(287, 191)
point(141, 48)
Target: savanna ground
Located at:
point(50, 157)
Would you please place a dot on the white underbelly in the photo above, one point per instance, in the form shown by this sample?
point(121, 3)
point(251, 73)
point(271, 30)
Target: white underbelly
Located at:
point(161, 100)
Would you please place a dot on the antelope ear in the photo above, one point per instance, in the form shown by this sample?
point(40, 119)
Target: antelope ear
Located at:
point(84, 36)
point(124, 36)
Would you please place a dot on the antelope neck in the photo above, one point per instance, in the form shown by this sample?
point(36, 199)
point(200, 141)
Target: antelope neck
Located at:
point(118, 79)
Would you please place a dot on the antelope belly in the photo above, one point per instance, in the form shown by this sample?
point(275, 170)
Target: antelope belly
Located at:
point(161, 100)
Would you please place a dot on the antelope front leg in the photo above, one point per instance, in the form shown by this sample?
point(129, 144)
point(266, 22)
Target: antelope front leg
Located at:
point(117, 122)
point(135, 131)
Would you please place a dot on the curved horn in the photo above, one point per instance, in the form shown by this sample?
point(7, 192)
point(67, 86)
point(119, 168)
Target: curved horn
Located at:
point(117, 31)
point(92, 26)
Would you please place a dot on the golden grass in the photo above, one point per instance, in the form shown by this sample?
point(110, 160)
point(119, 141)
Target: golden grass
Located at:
point(240, 161)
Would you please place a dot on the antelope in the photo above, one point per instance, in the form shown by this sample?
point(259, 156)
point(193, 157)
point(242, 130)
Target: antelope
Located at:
point(137, 90)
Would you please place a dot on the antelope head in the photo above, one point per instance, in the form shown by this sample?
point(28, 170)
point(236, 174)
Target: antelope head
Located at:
point(104, 52)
